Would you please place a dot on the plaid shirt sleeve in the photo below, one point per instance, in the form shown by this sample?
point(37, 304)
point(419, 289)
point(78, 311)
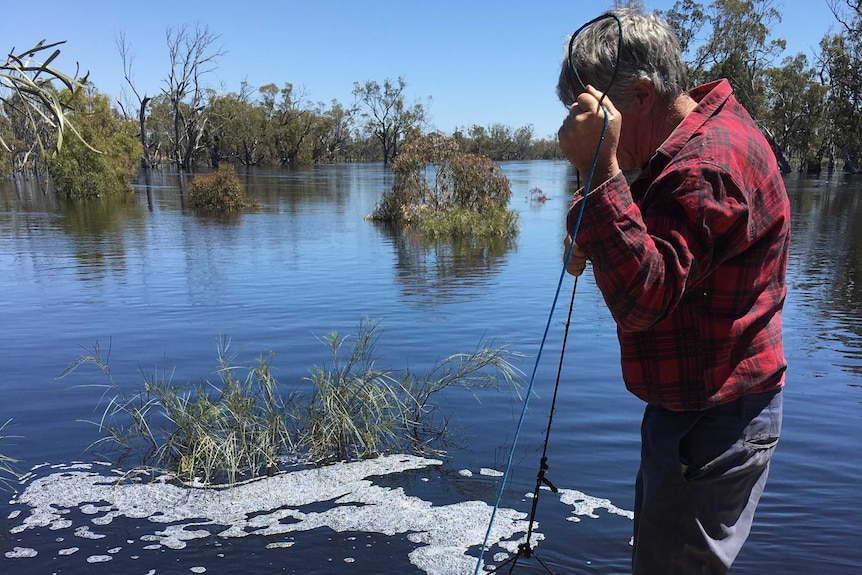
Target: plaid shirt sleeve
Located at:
point(691, 260)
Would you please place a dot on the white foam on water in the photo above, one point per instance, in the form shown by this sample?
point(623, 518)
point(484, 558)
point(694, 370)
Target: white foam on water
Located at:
point(69, 551)
point(584, 504)
point(99, 558)
point(272, 506)
point(281, 545)
point(83, 531)
point(21, 552)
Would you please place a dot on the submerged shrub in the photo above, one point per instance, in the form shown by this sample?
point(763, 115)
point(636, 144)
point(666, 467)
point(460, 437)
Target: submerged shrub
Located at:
point(243, 427)
point(437, 186)
point(220, 191)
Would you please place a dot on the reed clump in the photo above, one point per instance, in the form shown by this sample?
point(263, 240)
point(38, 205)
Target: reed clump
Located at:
point(208, 433)
point(219, 192)
point(244, 427)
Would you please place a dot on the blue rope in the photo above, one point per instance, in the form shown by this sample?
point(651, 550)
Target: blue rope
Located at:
point(511, 455)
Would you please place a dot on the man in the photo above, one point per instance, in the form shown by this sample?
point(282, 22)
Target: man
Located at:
point(690, 259)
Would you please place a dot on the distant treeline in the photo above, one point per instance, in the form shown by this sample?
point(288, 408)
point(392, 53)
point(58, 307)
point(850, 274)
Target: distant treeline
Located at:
point(809, 107)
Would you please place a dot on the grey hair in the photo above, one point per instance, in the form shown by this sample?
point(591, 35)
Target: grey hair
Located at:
point(650, 51)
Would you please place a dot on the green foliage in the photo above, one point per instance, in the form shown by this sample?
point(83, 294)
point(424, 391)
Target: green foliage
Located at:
point(358, 410)
point(809, 114)
point(220, 432)
point(447, 191)
point(80, 171)
point(234, 127)
point(219, 192)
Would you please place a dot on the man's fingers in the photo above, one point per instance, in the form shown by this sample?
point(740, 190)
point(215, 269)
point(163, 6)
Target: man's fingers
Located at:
point(577, 261)
point(603, 98)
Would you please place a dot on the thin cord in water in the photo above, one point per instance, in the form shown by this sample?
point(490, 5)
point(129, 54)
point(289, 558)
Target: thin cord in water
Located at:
point(529, 392)
point(568, 256)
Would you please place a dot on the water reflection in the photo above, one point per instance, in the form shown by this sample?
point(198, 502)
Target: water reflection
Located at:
point(163, 187)
point(435, 271)
point(98, 230)
point(826, 239)
point(26, 194)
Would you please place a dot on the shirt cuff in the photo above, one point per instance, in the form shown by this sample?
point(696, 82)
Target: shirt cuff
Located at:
point(604, 203)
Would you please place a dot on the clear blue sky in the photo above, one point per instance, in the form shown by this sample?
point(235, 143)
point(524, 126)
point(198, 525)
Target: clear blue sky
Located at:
point(482, 62)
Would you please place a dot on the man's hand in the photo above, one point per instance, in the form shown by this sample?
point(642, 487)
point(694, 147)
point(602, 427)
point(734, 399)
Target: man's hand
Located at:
point(578, 261)
point(582, 129)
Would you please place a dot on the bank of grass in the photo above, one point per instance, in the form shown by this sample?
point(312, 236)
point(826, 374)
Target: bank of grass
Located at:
point(247, 424)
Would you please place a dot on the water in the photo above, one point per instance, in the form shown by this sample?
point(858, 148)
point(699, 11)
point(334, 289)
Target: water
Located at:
point(157, 287)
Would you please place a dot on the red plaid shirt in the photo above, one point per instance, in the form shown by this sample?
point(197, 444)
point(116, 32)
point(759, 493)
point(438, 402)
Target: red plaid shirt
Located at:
point(691, 260)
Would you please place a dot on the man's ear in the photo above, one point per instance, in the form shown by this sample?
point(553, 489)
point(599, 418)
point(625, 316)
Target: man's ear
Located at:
point(645, 96)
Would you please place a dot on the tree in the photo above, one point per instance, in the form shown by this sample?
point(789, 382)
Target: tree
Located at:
point(498, 141)
point(387, 117)
point(738, 48)
point(687, 19)
point(852, 21)
point(522, 138)
point(77, 170)
point(795, 113)
point(479, 140)
point(291, 122)
point(142, 99)
point(842, 58)
point(333, 133)
point(193, 55)
point(159, 126)
point(236, 128)
point(840, 61)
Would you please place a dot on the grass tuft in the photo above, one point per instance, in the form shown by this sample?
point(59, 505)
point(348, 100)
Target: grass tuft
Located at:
point(7, 463)
point(243, 427)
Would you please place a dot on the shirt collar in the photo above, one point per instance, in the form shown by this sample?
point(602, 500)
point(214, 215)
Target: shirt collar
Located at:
point(709, 97)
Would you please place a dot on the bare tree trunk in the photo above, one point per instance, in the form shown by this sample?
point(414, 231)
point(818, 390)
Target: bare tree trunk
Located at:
point(142, 122)
point(783, 164)
point(128, 58)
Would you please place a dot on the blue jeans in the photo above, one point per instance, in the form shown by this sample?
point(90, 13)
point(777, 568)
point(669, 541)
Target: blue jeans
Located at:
point(700, 479)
